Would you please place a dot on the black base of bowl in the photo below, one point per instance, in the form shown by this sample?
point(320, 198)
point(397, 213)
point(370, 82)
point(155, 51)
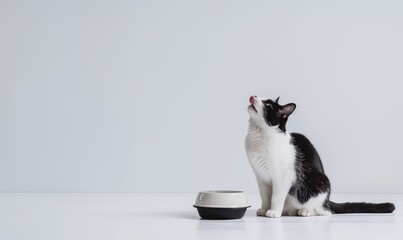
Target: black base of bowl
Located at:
point(221, 213)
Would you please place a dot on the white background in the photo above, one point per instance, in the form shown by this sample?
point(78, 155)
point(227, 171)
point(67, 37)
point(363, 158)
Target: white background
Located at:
point(151, 96)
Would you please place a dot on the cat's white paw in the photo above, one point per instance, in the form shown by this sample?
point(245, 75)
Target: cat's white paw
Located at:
point(273, 214)
point(261, 212)
point(323, 212)
point(304, 212)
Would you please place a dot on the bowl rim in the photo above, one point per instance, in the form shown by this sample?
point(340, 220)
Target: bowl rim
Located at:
point(222, 192)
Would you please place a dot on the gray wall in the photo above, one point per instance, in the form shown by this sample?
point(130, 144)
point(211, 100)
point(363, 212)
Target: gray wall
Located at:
point(143, 96)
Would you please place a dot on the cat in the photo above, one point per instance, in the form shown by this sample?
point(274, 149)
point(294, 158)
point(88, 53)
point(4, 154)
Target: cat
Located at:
point(288, 169)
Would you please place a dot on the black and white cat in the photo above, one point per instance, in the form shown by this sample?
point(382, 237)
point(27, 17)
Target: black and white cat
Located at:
point(288, 168)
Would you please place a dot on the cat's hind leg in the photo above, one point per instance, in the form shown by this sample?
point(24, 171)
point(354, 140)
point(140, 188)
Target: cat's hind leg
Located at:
point(319, 211)
point(322, 212)
point(314, 206)
point(305, 212)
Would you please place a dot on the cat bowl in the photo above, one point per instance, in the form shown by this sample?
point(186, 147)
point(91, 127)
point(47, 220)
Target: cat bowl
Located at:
point(221, 204)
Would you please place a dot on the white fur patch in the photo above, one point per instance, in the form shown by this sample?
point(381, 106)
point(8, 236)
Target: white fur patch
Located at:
point(270, 153)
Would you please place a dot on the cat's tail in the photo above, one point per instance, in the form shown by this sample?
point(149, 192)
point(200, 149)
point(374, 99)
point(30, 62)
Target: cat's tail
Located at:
point(361, 207)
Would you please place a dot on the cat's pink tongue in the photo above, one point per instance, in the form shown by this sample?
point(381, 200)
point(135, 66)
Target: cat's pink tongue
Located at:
point(252, 99)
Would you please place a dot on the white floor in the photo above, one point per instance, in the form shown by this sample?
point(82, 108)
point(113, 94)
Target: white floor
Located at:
point(171, 216)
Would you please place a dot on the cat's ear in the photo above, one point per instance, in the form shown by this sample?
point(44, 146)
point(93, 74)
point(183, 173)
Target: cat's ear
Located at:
point(277, 99)
point(287, 109)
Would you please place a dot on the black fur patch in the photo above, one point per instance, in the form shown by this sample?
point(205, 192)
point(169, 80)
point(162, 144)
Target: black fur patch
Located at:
point(311, 179)
point(306, 150)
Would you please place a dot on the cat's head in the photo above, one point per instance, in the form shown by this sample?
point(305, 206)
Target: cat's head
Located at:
point(266, 113)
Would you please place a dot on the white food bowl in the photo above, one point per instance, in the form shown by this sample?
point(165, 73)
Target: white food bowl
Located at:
point(221, 204)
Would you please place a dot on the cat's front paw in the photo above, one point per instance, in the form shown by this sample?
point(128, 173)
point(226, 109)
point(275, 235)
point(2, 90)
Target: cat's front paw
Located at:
point(273, 214)
point(261, 212)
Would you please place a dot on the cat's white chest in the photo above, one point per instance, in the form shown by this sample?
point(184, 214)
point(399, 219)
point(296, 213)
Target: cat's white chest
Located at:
point(270, 154)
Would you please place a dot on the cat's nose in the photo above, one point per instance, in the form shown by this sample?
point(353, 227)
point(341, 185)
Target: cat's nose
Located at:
point(252, 99)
